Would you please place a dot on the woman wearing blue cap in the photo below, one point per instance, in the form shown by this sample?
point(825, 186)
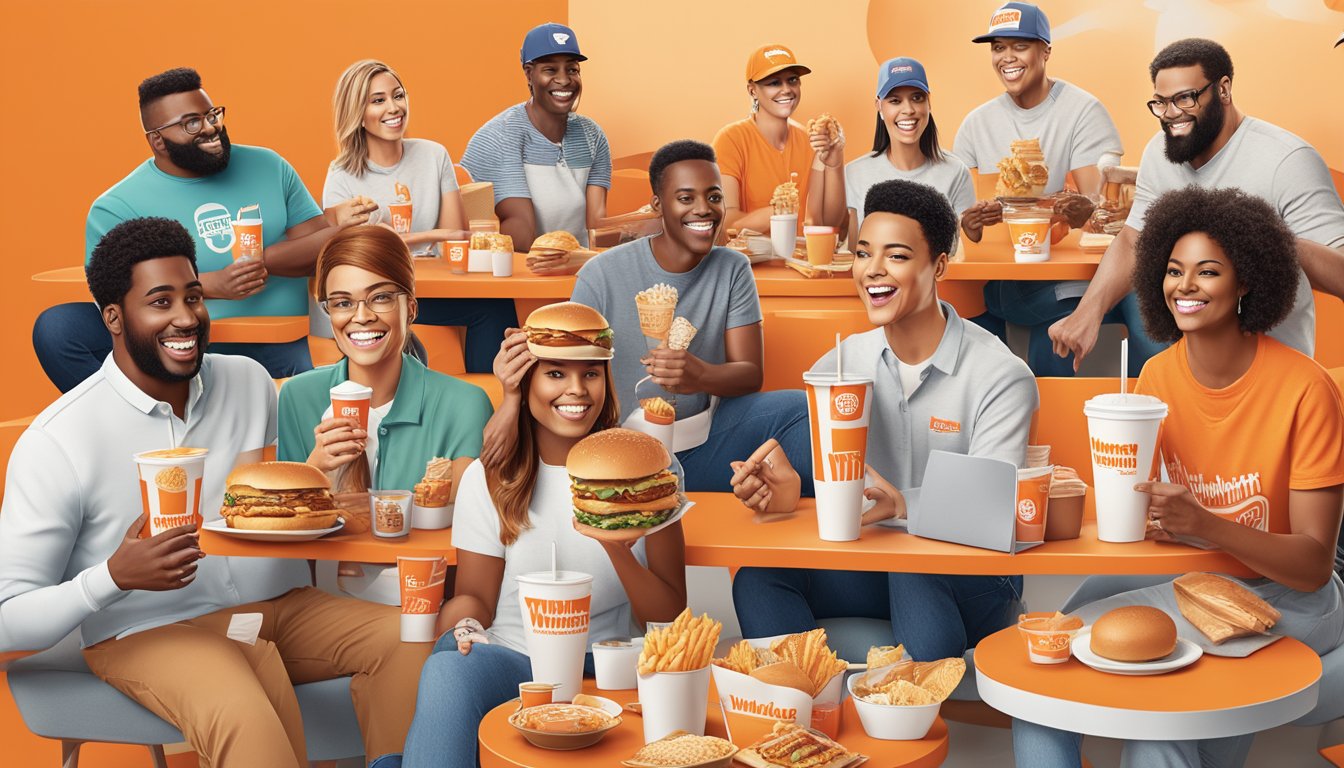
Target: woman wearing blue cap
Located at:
point(551, 167)
point(905, 145)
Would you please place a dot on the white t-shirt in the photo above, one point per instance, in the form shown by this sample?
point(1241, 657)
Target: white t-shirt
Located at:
point(950, 176)
point(476, 529)
point(911, 375)
point(425, 168)
point(1276, 166)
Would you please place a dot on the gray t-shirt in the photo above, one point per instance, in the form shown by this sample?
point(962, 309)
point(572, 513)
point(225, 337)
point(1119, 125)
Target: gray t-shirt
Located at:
point(1264, 160)
point(1074, 128)
point(949, 176)
point(425, 169)
point(715, 296)
point(975, 398)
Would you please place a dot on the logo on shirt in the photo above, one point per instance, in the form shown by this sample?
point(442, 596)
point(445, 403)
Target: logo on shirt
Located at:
point(558, 617)
point(1005, 18)
point(1238, 498)
point(944, 426)
point(214, 225)
point(560, 38)
point(902, 68)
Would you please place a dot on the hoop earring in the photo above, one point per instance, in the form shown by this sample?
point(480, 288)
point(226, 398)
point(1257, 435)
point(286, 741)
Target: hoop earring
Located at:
point(755, 105)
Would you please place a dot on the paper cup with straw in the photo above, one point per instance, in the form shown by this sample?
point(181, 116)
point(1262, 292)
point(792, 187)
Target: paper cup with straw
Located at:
point(839, 408)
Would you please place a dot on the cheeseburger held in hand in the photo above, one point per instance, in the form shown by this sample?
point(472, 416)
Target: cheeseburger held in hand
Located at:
point(621, 484)
point(568, 331)
point(278, 496)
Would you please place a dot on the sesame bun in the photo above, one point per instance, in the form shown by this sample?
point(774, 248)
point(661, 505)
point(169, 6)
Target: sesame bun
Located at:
point(1134, 633)
point(617, 454)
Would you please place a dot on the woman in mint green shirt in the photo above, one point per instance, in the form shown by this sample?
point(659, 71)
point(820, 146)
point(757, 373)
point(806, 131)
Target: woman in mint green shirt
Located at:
point(366, 283)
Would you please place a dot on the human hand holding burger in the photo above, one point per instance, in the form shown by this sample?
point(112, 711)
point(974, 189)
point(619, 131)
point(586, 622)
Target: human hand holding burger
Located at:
point(157, 564)
point(621, 485)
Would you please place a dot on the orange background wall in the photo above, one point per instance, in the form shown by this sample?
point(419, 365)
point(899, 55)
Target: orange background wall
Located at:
point(657, 72)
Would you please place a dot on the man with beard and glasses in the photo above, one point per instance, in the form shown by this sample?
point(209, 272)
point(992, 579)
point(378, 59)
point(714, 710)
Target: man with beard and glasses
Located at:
point(1206, 141)
point(73, 558)
point(198, 178)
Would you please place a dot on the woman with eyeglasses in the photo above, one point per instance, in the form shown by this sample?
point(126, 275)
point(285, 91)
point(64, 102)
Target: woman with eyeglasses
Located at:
point(366, 284)
point(768, 148)
point(378, 161)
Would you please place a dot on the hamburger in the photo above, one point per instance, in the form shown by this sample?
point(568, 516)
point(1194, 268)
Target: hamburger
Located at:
point(1134, 633)
point(278, 496)
point(568, 331)
point(621, 484)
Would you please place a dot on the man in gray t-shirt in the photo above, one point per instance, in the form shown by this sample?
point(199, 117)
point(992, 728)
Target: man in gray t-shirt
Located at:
point(1206, 141)
point(721, 371)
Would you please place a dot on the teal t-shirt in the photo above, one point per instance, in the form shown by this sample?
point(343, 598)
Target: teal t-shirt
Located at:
point(432, 415)
point(206, 206)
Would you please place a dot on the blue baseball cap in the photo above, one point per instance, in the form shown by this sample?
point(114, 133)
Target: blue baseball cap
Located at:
point(900, 71)
point(1017, 20)
point(549, 39)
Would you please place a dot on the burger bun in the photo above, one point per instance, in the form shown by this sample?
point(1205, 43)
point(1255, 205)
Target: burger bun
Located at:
point(618, 535)
point(579, 352)
point(279, 476)
point(313, 522)
point(617, 454)
point(1133, 633)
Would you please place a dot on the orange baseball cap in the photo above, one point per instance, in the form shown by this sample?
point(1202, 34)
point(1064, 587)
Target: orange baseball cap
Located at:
point(769, 59)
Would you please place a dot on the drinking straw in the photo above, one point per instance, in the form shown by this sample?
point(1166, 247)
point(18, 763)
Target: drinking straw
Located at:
point(839, 368)
point(1124, 366)
point(555, 572)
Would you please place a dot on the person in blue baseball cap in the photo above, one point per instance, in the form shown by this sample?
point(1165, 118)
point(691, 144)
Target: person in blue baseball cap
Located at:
point(905, 145)
point(1077, 138)
point(551, 167)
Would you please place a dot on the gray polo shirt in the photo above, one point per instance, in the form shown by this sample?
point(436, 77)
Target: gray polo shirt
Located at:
point(1276, 166)
point(975, 398)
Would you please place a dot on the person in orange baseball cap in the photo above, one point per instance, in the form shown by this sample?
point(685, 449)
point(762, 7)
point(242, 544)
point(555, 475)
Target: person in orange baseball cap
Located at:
point(767, 148)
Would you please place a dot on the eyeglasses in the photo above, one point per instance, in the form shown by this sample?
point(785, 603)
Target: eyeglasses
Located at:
point(1184, 101)
point(379, 303)
point(193, 124)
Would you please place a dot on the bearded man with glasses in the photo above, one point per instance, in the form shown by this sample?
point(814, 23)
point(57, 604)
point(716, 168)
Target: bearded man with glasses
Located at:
point(1206, 141)
point(198, 178)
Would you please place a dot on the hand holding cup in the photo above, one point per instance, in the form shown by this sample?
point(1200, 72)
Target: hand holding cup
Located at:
point(157, 564)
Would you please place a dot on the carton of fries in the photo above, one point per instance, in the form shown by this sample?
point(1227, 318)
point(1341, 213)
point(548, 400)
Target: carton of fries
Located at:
point(899, 702)
point(673, 678)
point(765, 680)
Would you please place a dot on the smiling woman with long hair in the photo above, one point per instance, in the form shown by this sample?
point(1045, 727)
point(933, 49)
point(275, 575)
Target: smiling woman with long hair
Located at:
point(508, 521)
point(1215, 270)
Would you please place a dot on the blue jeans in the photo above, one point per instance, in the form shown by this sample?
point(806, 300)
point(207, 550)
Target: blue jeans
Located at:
point(455, 694)
point(1041, 747)
point(934, 616)
point(740, 425)
point(71, 344)
point(1032, 303)
point(486, 321)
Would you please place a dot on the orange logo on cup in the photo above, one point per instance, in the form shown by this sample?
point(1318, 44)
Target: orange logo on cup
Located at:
point(1121, 457)
point(421, 583)
point(558, 617)
point(847, 401)
point(1026, 510)
point(457, 250)
point(401, 217)
point(945, 426)
point(351, 409)
point(247, 238)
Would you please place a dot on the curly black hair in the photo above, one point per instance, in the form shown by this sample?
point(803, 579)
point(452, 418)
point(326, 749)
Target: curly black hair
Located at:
point(1210, 56)
point(675, 152)
point(179, 80)
point(1249, 231)
point(920, 202)
point(127, 244)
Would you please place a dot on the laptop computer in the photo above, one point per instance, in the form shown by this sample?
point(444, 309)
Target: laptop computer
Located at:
point(968, 500)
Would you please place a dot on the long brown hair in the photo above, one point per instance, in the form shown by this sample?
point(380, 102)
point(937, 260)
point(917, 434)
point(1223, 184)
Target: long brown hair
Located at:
point(511, 483)
point(382, 252)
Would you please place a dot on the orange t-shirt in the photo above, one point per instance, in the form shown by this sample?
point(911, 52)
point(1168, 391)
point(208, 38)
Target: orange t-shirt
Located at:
point(744, 154)
point(1240, 449)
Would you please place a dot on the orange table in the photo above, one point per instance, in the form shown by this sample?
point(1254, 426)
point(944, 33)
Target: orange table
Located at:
point(720, 531)
point(503, 747)
point(1212, 698)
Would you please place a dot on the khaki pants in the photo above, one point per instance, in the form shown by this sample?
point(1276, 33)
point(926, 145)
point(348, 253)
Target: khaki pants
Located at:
point(235, 702)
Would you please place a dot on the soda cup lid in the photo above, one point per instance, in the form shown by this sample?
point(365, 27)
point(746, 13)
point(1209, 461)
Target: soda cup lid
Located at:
point(830, 378)
point(564, 578)
point(351, 389)
point(1114, 405)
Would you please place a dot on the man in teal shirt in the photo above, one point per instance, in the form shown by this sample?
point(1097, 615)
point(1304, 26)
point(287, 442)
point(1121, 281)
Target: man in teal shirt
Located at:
point(196, 177)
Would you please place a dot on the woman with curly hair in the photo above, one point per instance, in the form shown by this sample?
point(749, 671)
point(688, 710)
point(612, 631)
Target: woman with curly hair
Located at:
point(1215, 270)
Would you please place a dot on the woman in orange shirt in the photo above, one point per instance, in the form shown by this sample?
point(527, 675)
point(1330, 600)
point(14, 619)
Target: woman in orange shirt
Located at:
point(1251, 443)
point(760, 152)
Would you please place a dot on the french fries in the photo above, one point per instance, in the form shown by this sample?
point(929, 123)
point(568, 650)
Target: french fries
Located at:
point(686, 645)
point(807, 651)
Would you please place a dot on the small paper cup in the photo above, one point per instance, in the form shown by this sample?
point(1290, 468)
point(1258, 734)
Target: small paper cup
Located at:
point(1045, 646)
point(616, 664)
point(674, 701)
point(431, 518)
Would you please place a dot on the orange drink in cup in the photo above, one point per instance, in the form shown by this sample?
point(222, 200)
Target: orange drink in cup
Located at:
point(247, 237)
point(821, 243)
point(422, 580)
point(535, 694)
point(838, 411)
point(455, 251)
point(400, 209)
point(1029, 230)
point(351, 401)
point(1033, 493)
point(170, 487)
point(1048, 636)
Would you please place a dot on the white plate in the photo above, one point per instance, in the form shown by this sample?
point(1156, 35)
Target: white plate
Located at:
point(674, 518)
point(608, 706)
point(219, 526)
point(1186, 653)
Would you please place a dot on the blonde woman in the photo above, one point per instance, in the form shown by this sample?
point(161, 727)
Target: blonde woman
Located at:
point(377, 160)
